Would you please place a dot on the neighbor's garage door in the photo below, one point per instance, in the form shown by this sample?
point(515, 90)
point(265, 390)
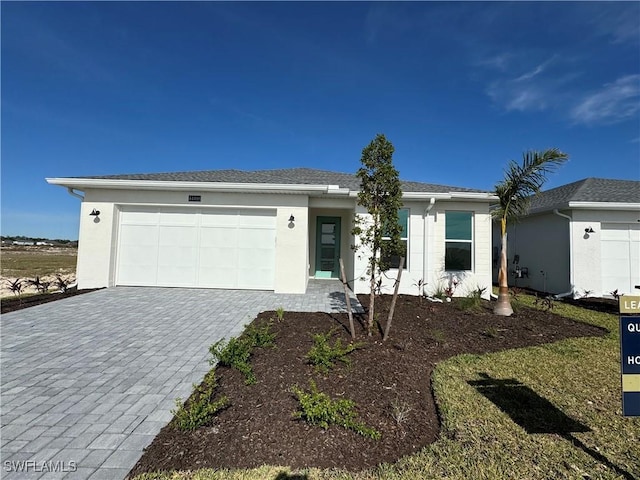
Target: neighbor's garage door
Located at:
point(214, 248)
point(620, 247)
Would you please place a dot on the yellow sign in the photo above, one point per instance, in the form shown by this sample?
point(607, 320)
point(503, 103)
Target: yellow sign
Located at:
point(629, 304)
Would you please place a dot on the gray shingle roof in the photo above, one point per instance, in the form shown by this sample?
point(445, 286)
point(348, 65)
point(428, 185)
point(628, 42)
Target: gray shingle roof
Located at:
point(587, 190)
point(290, 176)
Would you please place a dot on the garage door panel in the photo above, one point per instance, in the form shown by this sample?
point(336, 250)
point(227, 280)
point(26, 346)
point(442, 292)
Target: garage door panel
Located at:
point(211, 237)
point(219, 218)
point(197, 248)
point(178, 219)
point(257, 238)
point(142, 217)
point(620, 257)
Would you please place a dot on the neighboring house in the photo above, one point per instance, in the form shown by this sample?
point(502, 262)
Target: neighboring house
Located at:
point(268, 230)
point(581, 239)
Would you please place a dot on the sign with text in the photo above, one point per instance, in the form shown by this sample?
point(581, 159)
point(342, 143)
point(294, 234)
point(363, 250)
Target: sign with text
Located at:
point(629, 304)
point(630, 362)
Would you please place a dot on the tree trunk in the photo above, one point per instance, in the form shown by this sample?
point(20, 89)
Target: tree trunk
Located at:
point(393, 302)
point(503, 305)
point(372, 298)
point(347, 299)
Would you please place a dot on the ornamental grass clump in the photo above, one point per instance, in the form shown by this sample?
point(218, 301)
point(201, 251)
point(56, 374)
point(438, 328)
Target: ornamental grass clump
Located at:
point(317, 408)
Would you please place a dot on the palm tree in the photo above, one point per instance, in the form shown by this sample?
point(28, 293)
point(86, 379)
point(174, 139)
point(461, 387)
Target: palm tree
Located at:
point(514, 192)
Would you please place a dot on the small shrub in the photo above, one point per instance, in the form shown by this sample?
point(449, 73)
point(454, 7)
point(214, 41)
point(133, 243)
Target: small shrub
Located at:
point(545, 303)
point(317, 408)
point(280, 313)
point(259, 336)
point(201, 407)
point(39, 285)
point(62, 284)
point(420, 284)
point(15, 286)
point(491, 332)
point(400, 411)
point(323, 356)
point(473, 300)
point(438, 336)
point(234, 354)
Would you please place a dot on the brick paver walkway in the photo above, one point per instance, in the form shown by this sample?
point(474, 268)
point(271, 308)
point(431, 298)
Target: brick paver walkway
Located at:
point(87, 382)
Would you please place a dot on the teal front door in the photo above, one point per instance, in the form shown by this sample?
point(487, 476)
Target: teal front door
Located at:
point(328, 247)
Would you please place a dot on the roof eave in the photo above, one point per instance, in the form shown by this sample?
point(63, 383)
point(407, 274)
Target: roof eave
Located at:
point(84, 184)
point(605, 205)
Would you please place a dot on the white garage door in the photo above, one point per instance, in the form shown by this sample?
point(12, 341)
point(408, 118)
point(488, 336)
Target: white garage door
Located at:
point(214, 248)
point(620, 247)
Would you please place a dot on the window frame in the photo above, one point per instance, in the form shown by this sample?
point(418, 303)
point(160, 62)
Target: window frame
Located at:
point(470, 241)
point(402, 239)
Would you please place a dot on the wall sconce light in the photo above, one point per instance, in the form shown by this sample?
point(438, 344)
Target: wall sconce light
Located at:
point(94, 213)
point(589, 230)
point(292, 219)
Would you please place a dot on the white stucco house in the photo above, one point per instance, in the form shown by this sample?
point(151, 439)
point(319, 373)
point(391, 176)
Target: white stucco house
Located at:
point(267, 230)
point(579, 239)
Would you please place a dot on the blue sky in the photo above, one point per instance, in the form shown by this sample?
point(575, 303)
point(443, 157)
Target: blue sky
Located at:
point(459, 89)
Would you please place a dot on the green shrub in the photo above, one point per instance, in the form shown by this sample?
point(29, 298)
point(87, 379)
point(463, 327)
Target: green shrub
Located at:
point(235, 354)
point(317, 408)
point(323, 355)
point(259, 336)
point(201, 407)
point(280, 313)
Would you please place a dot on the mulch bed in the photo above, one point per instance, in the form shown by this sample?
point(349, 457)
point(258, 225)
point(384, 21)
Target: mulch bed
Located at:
point(12, 304)
point(258, 428)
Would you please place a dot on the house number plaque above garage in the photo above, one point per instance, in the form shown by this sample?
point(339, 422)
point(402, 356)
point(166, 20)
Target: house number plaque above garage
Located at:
point(195, 198)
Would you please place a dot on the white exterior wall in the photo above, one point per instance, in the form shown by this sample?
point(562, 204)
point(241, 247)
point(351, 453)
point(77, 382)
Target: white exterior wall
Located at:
point(431, 267)
point(542, 242)
point(98, 239)
point(587, 273)
point(570, 257)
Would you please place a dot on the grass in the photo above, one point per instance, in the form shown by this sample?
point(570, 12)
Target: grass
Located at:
point(37, 262)
point(579, 377)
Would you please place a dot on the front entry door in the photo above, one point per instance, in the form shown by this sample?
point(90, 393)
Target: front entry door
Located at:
point(328, 247)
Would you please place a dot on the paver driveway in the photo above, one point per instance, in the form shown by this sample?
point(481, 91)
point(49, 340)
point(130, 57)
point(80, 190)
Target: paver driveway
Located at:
point(87, 382)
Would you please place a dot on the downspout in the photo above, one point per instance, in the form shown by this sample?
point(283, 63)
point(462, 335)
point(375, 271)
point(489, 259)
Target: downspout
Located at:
point(77, 195)
point(571, 284)
point(425, 264)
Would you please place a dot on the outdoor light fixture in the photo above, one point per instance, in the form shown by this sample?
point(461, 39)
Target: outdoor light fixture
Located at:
point(292, 219)
point(589, 230)
point(94, 213)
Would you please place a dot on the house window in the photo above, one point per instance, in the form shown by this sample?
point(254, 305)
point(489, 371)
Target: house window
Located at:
point(403, 220)
point(458, 241)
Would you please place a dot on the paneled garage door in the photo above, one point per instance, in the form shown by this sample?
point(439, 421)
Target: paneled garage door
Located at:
point(620, 247)
point(214, 248)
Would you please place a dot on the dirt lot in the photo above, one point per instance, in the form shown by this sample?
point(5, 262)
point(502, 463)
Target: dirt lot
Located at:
point(36, 261)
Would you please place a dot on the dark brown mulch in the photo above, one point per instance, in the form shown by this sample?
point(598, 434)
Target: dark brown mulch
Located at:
point(12, 304)
point(606, 305)
point(259, 427)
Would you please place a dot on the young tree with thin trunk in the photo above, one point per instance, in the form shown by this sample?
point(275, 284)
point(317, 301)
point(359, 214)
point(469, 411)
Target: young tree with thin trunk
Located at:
point(514, 193)
point(381, 195)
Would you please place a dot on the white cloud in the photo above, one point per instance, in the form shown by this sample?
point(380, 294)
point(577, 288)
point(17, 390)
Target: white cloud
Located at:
point(613, 103)
point(531, 90)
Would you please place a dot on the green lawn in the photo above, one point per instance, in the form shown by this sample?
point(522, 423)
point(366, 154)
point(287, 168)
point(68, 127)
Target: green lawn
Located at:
point(576, 383)
point(38, 262)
